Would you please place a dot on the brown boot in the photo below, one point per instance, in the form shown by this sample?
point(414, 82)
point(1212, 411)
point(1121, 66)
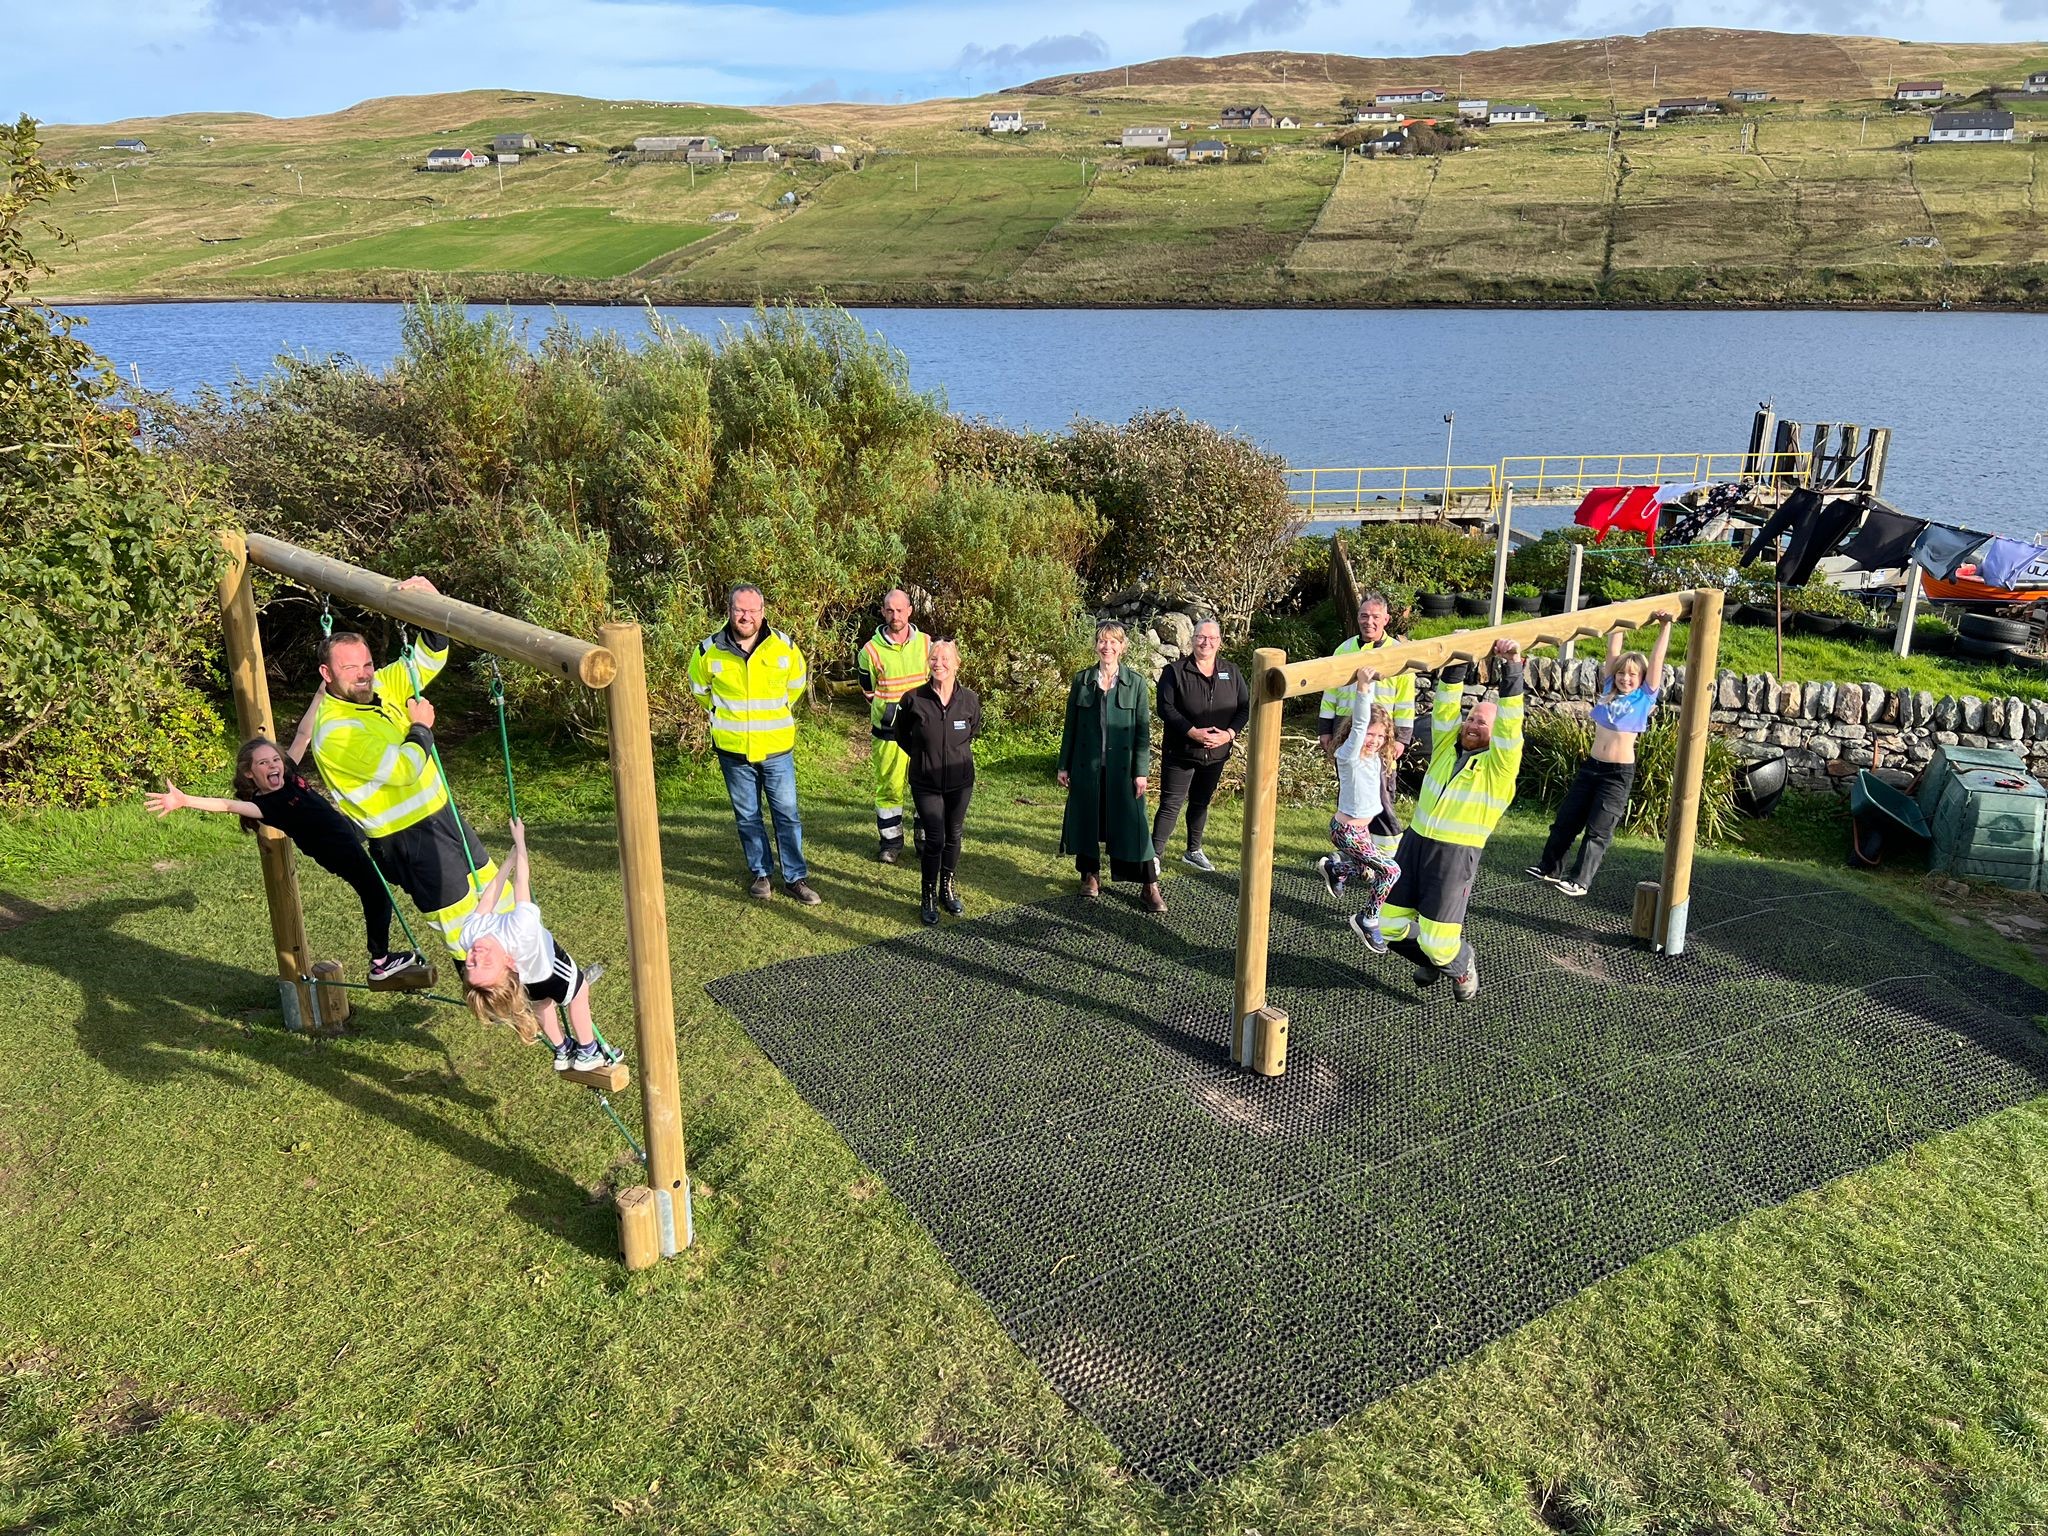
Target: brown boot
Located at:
point(1152, 898)
point(1091, 886)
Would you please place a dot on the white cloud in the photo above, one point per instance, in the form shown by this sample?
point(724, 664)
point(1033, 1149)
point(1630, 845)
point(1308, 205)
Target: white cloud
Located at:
point(1055, 52)
point(1216, 32)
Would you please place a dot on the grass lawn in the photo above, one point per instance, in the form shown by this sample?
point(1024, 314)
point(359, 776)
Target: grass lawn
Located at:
point(258, 1283)
point(561, 242)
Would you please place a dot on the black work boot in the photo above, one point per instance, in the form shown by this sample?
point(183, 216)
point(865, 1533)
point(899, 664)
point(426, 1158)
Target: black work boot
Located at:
point(948, 897)
point(929, 912)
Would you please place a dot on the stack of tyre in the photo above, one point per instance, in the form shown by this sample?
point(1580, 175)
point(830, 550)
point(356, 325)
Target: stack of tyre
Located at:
point(1989, 638)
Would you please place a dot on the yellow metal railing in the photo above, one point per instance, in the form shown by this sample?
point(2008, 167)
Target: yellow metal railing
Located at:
point(1568, 476)
point(1391, 490)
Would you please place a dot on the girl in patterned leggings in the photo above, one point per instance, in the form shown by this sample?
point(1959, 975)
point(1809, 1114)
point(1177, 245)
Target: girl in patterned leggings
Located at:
point(1364, 754)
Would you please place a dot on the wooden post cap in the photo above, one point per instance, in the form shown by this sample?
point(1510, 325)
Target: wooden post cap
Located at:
point(1643, 921)
point(1267, 1049)
point(639, 1227)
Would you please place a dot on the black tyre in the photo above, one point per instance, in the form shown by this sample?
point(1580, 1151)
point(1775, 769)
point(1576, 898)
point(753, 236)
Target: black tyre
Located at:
point(1988, 626)
point(1984, 650)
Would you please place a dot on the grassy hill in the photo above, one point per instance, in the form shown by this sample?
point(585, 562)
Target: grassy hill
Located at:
point(1819, 196)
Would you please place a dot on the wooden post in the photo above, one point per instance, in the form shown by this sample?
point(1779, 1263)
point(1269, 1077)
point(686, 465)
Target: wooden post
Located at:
point(1255, 862)
point(1500, 556)
point(333, 1000)
point(1909, 610)
point(252, 717)
point(654, 1009)
point(1643, 917)
point(1574, 573)
point(1702, 656)
point(639, 1228)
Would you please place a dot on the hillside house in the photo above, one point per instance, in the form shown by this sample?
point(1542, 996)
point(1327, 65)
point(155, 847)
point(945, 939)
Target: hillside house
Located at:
point(2037, 84)
point(673, 145)
point(1970, 128)
point(514, 144)
point(1244, 117)
point(1146, 138)
point(1177, 153)
point(450, 159)
point(706, 153)
point(1286, 122)
point(1473, 110)
point(1376, 115)
point(1686, 106)
point(128, 146)
point(1919, 90)
point(1407, 95)
point(1748, 94)
point(1006, 122)
point(1208, 149)
point(1504, 114)
point(504, 157)
point(829, 152)
point(757, 154)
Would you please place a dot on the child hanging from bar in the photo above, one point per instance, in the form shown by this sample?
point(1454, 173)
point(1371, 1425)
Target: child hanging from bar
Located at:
point(270, 792)
point(516, 973)
point(1365, 765)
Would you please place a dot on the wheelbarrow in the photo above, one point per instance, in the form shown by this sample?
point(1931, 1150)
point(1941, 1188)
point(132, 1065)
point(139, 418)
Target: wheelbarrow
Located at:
point(1877, 813)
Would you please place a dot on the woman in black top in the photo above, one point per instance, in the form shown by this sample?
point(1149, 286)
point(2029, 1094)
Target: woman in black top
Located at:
point(1203, 705)
point(936, 726)
point(270, 793)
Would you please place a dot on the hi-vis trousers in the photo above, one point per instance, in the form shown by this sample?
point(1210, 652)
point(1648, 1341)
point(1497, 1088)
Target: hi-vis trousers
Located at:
point(892, 790)
point(1424, 918)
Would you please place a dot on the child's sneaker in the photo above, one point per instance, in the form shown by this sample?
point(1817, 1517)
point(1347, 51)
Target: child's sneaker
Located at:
point(1332, 881)
point(588, 1058)
point(1368, 933)
point(395, 965)
point(1536, 872)
point(1570, 888)
point(565, 1054)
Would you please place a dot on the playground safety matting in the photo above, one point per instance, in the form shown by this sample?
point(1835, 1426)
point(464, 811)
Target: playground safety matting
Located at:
point(1209, 1264)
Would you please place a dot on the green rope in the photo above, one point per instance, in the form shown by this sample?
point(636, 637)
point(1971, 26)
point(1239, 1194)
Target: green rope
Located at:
point(1634, 549)
point(605, 1104)
point(504, 737)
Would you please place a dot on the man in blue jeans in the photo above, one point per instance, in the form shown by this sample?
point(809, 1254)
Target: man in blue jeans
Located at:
point(749, 677)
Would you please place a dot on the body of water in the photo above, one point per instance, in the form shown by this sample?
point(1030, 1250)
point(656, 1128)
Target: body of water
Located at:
point(1965, 394)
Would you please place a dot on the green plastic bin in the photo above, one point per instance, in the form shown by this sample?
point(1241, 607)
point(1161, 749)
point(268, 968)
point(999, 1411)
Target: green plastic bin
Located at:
point(1989, 825)
point(1950, 761)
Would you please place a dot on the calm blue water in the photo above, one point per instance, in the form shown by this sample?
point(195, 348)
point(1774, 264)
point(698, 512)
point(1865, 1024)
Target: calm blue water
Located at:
point(1965, 394)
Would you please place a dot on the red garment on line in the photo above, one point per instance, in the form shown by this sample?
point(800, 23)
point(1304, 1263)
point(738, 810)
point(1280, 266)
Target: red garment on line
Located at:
point(1632, 508)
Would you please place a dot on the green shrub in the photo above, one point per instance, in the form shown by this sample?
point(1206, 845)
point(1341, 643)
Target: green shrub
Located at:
point(1554, 745)
point(150, 728)
point(1290, 632)
point(1543, 561)
point(1523, 589)
point(1821, 596)
point(1419, 557)
point(1558, 744)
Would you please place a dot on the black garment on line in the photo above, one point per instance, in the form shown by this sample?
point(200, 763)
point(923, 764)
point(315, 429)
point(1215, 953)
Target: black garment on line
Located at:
point(1818, 537)
point(1884, 541)
point(1800, 504)
point(330, 840)
point(941, 818)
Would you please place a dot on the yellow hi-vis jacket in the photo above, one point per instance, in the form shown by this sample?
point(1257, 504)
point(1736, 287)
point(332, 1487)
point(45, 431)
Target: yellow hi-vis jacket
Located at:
point(369, 756)
point(1397, 693)
point(1464, 796)
point(889, 673)
point(749, 696)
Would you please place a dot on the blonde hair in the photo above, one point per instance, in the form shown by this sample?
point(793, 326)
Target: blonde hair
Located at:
point(505, 1002)
point(1379, 717)
point(1642, 663)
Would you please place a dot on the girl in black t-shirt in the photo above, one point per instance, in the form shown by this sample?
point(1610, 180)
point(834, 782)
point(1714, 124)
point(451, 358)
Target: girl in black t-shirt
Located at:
point(269, 792)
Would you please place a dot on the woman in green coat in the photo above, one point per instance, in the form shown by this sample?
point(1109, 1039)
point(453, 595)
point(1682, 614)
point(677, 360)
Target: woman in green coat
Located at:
point(1105, 768)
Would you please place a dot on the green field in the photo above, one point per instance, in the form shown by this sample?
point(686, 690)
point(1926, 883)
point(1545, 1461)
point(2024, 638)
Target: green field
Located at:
point(251, 1282)
point(560, 242)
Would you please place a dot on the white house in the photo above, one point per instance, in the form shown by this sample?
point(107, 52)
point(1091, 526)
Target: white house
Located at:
point(450, 159)
point(1144, 137)
point(1473, 110)
point(1970, 128)
point(1006, 122)
point(132, 146)
point(2037, 84)
point(1376, 115)
point(1920, 90)
point(1408, 93)
point(1286, 122)
point(1507, 114)
point(1748, 93)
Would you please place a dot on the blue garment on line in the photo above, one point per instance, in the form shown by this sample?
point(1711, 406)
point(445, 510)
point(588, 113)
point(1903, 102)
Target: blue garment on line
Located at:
point(2003, 559)
point(1940, 550)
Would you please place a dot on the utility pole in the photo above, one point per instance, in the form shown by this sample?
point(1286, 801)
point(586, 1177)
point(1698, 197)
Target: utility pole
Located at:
point(913, 176)
point(116, 182)
point(501, 174)
point(1450, 427)
point(1863, 132)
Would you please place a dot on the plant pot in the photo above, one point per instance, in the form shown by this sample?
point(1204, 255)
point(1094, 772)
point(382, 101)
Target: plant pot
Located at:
point(1474, 605)
point(1759, 784)
point(1754, 613)
point(1819, 623)
point(1522, 605)
point(1553, 602)
point(1435, 605)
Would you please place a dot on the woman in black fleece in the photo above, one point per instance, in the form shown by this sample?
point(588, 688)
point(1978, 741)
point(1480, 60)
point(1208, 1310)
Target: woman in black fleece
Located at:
point(936, 726)
point(1203, 705)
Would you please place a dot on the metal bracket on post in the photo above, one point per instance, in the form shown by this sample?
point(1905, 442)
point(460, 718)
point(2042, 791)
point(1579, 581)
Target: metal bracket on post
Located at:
point(288, 1002)
point(665, 1215)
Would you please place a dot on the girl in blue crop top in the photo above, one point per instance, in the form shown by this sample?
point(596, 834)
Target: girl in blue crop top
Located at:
point(1595, 803)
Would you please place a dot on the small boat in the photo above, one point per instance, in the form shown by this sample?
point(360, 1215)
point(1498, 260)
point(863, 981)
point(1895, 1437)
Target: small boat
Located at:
point(2029, 585)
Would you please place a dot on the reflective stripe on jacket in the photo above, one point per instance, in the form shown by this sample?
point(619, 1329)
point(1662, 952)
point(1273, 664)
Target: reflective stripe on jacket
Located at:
point(1397, 693)
point(376, 762)
point(1464, 795)
point(888, 672)
point(749, 694)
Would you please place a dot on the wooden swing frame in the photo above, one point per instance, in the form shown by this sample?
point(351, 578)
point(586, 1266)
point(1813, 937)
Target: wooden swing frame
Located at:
point(654, 1218)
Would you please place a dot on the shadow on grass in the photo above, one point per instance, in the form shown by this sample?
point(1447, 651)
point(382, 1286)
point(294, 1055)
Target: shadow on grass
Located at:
point(151, 1014)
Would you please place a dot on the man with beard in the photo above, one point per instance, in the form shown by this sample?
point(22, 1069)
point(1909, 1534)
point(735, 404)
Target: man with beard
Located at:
point(373, 741)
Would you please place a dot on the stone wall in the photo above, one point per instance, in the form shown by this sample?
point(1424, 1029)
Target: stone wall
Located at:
point(1827, 731)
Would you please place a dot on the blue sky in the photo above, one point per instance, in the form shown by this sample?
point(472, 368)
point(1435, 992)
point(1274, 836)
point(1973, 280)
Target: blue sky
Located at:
point(99, 60)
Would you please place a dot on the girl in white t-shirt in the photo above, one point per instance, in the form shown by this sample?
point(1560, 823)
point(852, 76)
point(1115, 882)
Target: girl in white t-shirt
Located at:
point(1365, 760)
point(517, 973)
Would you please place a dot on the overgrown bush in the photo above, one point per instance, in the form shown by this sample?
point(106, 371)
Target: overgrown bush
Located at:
point(1420, 557)
point(1557, 744)
point(1821, 596)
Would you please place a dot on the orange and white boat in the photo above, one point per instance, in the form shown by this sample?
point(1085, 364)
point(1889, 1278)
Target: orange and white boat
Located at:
point(2029, 585)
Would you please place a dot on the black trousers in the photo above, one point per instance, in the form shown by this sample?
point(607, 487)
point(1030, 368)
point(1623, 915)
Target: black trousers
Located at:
point(1593, 805)
point(941, 815)
point(1184, 784)
point(350, 861)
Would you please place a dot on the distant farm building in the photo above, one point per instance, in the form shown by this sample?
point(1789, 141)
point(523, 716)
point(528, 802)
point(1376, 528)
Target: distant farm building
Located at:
point(1920, 90)
point(1006, 122)
point(672, 146)
point(514, 144)
point(450, 159)
point(1473, 109)
point(1508, 114)
point(504, 157)
point(706, 153)
point(1147, 138)
point(757, 154)
point(131, 146)
point(1244, 117)
point(1751, 94)
point(1208, 149)
point(1376, 115)
point(829, 152)
point(2037, 84)
point(1177, 153)
point(1971, 128)
point(1686, 106)
point(1407, 94)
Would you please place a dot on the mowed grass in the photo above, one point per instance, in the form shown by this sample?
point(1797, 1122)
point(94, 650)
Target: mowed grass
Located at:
point(561, 242)
point(258, 1283)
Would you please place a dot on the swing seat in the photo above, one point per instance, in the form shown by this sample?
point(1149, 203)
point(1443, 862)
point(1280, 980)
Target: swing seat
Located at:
point(415, 978)
point(611, 1079)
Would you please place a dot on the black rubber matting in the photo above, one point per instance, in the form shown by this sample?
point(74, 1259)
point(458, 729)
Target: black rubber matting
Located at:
point(1208, 1264)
